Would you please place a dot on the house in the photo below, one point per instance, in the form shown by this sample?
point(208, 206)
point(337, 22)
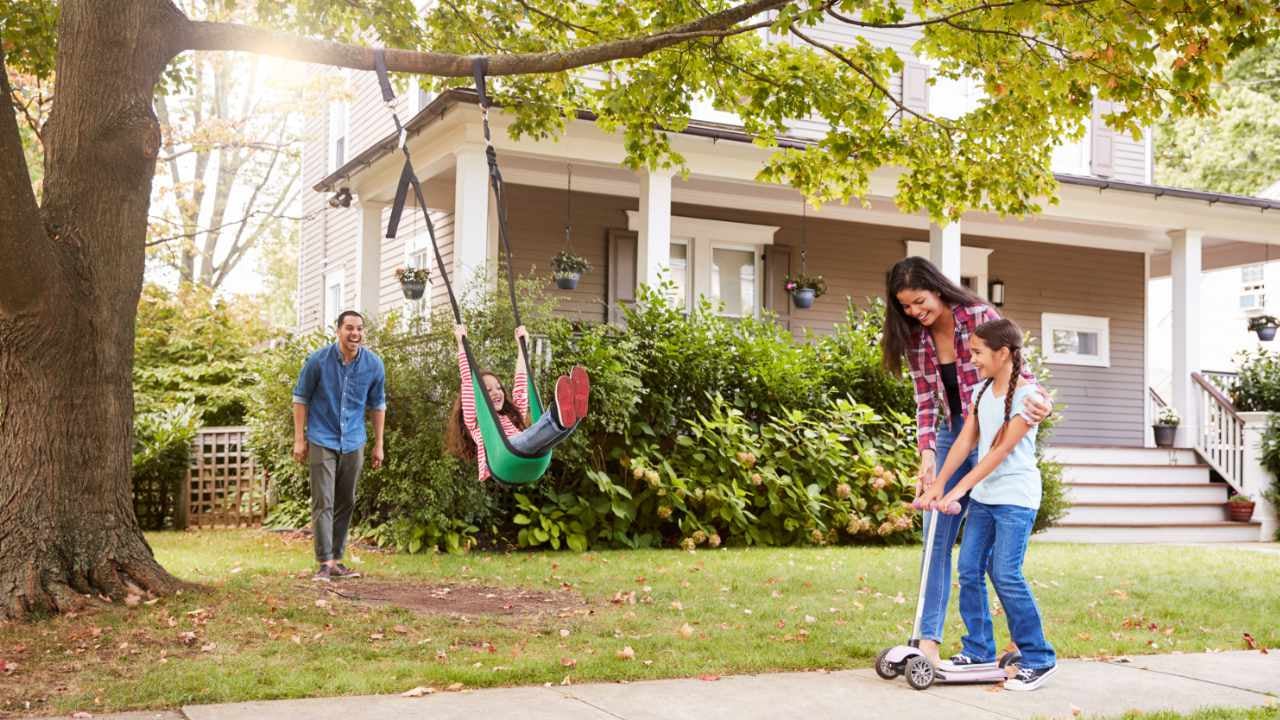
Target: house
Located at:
point(1075, 276)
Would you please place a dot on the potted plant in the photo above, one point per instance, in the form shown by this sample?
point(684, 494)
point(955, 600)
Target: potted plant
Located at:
point(413, 281)
point(1166, 427)
point(1240, 508)
point(568, 267)
point(805, 289)
point(1265, 326)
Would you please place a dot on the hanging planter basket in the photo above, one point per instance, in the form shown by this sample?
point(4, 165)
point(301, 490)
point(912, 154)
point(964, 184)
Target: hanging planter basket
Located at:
point(1265, 326)
point(803, 298)
point(413, 282)
point(413, 290)
point(567, 281)
point(568, 267)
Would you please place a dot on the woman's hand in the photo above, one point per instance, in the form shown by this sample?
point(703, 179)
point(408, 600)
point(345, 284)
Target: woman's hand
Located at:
point(949, 504)
point(459, 331)
point(1038, 407)
point(522, 333)
point(928, 497)
point(928, 470)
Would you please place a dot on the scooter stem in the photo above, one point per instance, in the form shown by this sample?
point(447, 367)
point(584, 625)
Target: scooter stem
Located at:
point(931, 527)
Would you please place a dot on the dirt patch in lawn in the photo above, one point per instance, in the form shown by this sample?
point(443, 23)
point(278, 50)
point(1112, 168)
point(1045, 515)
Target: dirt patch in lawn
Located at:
point(459, 599)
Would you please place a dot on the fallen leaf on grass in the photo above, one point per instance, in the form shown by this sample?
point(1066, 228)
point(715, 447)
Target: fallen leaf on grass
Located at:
point(568, 662)
point(132, 600)
point(322, 603)
point(8, 668)
point(419, 691)
point(187, 638)
point(1252, 644)
point(455, 687)
point(626, 653)
point(401, 629)
point(81, 715)
point(709, 678)
point(208, 647)
point(1075, 711)
point(376, 636)
point(686, 631)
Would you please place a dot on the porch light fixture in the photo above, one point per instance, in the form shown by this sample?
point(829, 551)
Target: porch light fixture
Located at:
point(342, 198)
point(995, 291)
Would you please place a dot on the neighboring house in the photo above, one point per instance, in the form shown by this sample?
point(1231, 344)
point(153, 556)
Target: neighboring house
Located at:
point(1075, 275)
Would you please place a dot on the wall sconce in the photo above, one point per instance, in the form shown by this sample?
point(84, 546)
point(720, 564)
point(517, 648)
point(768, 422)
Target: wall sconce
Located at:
point(342, 198)
point(995, 291)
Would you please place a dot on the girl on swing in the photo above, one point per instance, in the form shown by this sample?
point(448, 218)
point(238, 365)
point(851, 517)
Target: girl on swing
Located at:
point(463, 438)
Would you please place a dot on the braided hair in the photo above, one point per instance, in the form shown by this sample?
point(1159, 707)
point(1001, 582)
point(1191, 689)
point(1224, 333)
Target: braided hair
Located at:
point(1000, 334)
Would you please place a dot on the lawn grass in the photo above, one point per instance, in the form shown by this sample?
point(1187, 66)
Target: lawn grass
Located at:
point(259, 633)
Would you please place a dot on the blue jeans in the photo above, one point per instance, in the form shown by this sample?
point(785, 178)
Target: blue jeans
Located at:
point(542, 435)
point(937, 593)
point(995, 543)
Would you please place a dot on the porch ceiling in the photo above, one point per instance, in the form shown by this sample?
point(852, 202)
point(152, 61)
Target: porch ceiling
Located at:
point(723, 165)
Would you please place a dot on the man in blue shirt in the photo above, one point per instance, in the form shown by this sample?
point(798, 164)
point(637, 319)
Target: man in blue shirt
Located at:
point(338, 383)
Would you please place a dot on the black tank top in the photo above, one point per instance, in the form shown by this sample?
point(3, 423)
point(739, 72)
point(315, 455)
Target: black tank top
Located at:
point(952, 385)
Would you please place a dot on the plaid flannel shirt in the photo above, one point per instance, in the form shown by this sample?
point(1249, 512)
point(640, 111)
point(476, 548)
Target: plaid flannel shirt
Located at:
point(922, 359)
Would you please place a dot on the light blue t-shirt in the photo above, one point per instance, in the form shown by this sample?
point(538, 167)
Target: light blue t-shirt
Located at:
point(1017, 480)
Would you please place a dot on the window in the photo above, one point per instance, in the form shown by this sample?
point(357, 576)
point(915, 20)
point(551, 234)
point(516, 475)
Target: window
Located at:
point(417, 250)
point(1076, 339)
point(339, 129)
point(1253, 288)
point(719, 260)
point(1072, 157)
point(333, 294)
point(419, 96)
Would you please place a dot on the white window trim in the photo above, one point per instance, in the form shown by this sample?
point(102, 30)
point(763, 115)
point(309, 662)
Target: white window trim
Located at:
point(1050, 322)
point(1085, 146)
point(974, 263)
point(702, 236)
point(416, 242)
point(334, 134)
point(331, 278)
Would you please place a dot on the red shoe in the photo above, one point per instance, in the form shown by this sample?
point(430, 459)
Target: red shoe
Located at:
point(566, 414)
point(581, 390)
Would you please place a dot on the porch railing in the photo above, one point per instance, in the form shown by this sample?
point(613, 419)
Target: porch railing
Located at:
point(1220, 436)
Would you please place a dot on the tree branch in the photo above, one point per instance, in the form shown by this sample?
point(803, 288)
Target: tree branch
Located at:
point(231, 36)
point(24, 264)
point(944, 18)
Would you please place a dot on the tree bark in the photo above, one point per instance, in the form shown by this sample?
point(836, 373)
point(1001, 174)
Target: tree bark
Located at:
point(70, 278)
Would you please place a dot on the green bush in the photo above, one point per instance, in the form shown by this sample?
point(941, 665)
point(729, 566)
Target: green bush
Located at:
point(1257, 386)
point(161, 454)
point(1053, 496)
point(1271, 461)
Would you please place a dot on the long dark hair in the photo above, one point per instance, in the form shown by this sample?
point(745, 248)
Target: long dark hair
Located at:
point(457, 439)
point(913, 273)
point(1000, 334)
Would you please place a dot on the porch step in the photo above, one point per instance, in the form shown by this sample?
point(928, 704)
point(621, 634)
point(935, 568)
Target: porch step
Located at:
point(1110, 455)
point(1151, 533)
point(1145, 513)
point(1135, 474)
point(1147, 493)
point(1142, 495)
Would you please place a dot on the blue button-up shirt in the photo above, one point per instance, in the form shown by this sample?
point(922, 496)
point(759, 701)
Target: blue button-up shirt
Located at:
point(337, 395)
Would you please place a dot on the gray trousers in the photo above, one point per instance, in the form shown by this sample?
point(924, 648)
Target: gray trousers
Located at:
point(333, 498)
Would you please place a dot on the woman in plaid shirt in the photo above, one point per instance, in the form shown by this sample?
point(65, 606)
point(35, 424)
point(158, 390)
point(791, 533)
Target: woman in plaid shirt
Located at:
point(929, 321)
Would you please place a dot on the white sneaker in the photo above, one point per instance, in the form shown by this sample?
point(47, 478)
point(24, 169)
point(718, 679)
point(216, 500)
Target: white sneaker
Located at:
point(1027, 679)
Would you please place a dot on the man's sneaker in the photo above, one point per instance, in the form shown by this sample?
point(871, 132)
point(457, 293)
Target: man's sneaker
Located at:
point(566, 413)
point(342, 571)
point(960, 663)
point(324, 574)
point(1028, 679)
point(581, 390)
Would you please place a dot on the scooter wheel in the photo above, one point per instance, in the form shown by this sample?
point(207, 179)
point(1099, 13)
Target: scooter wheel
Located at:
point(920, 673)
point(884, 668)
point(1010, 658)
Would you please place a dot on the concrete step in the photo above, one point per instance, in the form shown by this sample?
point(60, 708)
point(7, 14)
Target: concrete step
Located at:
point(1152, 533)
point(1128, 513)
point(1146, 493)
point(1135, 474)
point(1103, 455)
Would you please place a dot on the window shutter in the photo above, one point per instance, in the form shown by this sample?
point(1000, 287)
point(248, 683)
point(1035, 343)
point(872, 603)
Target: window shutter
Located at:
point(915, 86)
point(622, 272)
point(777, 266)
point(1102, 146)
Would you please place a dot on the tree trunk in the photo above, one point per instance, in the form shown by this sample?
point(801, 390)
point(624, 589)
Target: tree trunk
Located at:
point(70, 278)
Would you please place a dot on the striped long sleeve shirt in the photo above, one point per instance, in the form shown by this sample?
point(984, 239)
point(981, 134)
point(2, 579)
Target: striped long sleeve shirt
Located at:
point(519, 397)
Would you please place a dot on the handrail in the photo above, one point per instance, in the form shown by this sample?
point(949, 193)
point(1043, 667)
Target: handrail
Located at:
point(1219, 433)
point(1222, 400)
point(1160, 402)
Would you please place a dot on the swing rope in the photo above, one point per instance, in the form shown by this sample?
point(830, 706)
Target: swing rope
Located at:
point(507, 464)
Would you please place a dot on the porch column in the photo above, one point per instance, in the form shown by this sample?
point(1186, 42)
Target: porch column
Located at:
point(471, 218)
point(653, 246)
point(1185, 266)
point(369, 259)
point(944, 249)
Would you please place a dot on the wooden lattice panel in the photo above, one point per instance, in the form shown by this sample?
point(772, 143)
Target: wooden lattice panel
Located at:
point(225, 487)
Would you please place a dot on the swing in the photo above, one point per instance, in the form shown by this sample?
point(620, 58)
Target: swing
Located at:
point(507, 465)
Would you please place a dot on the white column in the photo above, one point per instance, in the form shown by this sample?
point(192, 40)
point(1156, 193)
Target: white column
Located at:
point(1256, 477)
point(471, 217)
point(369, 259)
point(1148, 435)
point(653, 247)
point(1185, 255)
point(944, 249)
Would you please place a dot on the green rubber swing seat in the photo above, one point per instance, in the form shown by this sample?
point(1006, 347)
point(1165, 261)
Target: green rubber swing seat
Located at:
point(507, 465)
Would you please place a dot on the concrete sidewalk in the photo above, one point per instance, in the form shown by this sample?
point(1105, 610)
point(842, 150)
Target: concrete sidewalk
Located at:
point(1182, 683)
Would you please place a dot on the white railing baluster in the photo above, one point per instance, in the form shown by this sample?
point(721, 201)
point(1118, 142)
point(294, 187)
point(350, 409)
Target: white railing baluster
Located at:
point(1220, 439)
